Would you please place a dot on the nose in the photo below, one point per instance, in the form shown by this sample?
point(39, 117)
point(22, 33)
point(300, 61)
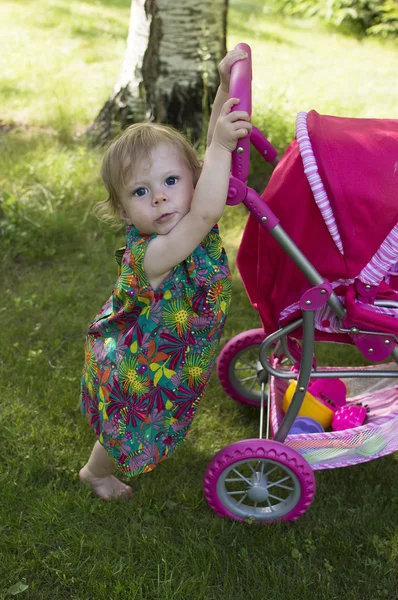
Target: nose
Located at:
point(159, 197)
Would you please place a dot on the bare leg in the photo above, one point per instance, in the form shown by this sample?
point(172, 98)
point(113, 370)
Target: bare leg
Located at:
point(98, 472)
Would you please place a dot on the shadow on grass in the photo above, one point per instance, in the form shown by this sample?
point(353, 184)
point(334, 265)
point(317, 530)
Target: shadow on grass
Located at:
point(341, 497)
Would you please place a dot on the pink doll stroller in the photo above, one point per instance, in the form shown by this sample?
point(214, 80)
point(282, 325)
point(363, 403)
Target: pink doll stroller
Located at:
point(330, 275)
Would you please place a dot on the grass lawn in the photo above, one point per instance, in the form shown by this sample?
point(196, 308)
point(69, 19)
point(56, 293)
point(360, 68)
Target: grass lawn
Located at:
point(58, 62)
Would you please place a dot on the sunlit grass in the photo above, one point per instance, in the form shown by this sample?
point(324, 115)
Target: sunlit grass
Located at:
point(299, 66)
point(58, 60)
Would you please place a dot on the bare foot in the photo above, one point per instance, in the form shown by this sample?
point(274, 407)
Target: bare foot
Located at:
point(107, 488)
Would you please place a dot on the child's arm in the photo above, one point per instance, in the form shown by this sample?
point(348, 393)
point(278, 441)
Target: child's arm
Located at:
point(166, 251)
point(224, 69)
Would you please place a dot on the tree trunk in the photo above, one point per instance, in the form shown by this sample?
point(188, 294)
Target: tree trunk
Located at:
point(169, 73)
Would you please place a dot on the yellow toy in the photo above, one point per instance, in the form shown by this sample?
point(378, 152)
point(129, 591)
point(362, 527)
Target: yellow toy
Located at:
point(320, 401)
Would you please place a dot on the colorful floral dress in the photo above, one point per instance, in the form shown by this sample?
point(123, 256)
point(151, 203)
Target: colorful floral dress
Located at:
point(150, 354)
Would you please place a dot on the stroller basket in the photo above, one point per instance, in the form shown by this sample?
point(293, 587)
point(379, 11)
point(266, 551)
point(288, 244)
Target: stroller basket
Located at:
point(378, 437)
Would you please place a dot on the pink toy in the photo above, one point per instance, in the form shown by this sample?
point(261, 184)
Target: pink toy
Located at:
point(349, 416)
point(331, 392)
point(319, 261)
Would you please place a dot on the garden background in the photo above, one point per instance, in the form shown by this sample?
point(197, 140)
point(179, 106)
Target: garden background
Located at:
point(58, 64)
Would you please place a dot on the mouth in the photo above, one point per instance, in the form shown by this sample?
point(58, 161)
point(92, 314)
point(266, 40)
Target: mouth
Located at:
point(164, 218)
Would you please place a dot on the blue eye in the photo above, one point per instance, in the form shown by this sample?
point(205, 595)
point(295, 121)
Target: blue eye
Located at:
point(140, 192)
point(171, 180)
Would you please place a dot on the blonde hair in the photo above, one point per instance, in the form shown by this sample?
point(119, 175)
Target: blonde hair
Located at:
point(135, 143)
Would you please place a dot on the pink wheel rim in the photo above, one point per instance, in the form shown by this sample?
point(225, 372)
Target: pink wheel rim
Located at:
point(228, 359)
point(278, 483)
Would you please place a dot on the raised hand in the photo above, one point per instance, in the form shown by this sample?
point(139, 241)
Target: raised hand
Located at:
point(225, 66)
point(231, 126)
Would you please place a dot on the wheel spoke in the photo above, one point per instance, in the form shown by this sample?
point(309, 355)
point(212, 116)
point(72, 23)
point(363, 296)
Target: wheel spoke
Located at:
point(270, 505)
point(241, 500)
point(277, 498)
point(272, 470)
point(242, 477)
point(236, 493)
point(278, 483)
point(248, 364)
point(252, 470)
point(249, 378)
point(253, 384)
point(244, 375)
point(285, 487)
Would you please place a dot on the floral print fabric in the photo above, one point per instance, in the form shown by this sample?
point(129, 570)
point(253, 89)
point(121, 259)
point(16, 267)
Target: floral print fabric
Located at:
point(150, 353)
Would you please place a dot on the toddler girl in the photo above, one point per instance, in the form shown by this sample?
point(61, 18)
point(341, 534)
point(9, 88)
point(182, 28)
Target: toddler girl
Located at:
point(151, 349)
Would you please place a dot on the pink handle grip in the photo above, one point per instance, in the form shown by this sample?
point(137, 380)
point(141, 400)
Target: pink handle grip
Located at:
point(240, 87)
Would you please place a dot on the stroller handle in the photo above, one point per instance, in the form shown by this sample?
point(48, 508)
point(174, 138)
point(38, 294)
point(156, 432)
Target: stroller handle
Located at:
point(240, 87)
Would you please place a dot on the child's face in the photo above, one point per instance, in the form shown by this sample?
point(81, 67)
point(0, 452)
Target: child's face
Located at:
point(158, 193)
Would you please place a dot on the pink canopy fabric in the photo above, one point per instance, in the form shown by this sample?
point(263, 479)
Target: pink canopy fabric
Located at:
point(357, 160)
point(358, 164)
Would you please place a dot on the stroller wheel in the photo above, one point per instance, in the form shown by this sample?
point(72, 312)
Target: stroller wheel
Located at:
point(237, 367)
point(259, 481)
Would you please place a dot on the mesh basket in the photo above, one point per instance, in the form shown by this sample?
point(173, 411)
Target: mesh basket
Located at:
point(377, 437)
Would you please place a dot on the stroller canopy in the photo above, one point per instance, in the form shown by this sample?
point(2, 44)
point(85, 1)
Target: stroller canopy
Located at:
point(335, 193)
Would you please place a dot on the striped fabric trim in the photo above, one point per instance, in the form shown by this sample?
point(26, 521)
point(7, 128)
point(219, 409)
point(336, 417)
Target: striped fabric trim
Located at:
point(326, 319)
point(289, 310)
point(314, 179)
point(383, 261)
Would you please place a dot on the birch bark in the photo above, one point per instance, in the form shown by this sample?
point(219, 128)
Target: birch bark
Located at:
point(169, 73)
